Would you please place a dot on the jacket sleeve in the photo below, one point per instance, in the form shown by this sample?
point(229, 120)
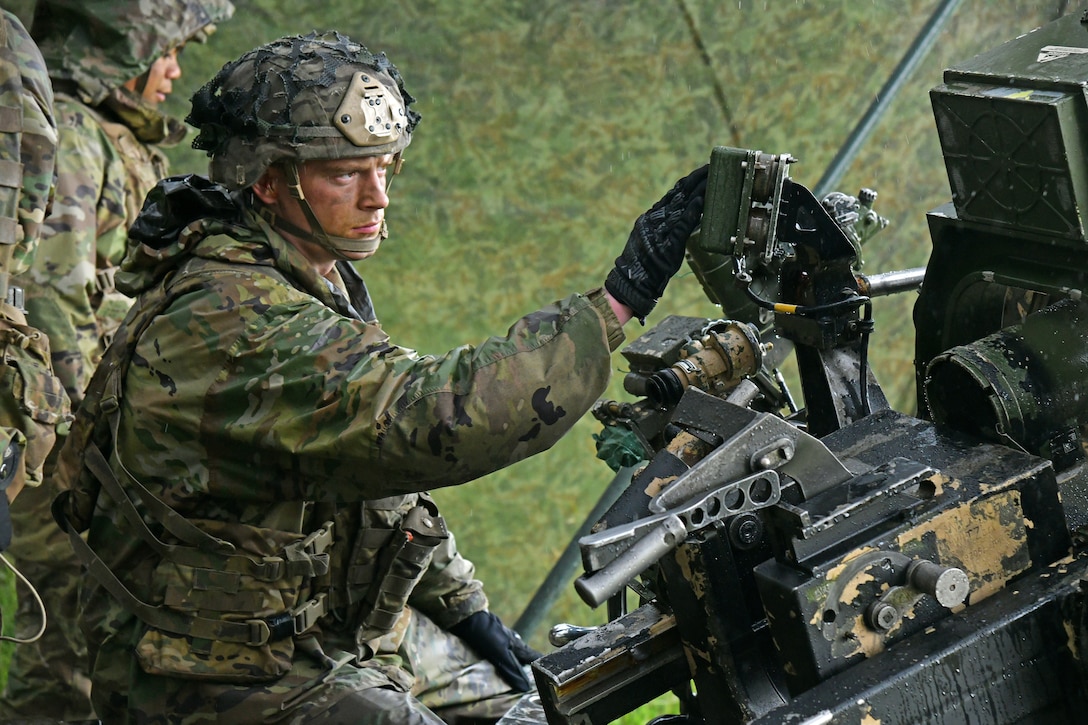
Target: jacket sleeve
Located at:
point(88, 211)
point(250, 389)
point(353, 416)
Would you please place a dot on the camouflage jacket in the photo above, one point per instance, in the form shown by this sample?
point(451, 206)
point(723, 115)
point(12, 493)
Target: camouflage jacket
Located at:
point(260, 401)
point(103, 174)
point(107, 161)
point(28, 140)
point(32, 402)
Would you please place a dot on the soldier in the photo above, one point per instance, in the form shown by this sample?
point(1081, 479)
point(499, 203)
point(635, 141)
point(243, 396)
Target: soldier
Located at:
point(252, 458)
point(34, 401)
point(112, 63)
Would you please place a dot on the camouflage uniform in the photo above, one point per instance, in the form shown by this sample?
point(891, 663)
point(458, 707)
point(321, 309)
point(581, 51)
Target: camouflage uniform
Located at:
point(31, 399)
point(261, 405)
point(107, 162)
point(251, 459)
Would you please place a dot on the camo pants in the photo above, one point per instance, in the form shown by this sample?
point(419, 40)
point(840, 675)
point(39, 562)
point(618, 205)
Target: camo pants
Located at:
point(422, 675)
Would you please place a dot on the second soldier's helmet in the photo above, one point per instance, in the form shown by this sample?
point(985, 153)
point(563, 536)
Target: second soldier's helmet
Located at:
point(99, 45)
point(300, 98)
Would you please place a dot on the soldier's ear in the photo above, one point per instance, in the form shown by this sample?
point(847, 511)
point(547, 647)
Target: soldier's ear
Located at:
point(268, 186)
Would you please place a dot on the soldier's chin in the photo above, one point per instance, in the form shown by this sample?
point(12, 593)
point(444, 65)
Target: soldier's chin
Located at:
point(358, 255)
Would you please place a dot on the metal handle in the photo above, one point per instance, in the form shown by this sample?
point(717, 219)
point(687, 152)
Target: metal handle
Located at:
point(602, 584)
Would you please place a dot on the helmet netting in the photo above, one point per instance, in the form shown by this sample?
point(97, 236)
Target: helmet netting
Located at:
point(279, 90)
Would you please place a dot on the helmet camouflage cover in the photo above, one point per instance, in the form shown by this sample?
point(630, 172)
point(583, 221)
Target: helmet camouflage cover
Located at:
point(300, 98)
point(102, 44)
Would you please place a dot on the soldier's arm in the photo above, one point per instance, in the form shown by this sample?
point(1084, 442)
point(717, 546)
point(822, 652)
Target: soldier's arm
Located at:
point(88, 208)
point(374, 420)
point(289, 385)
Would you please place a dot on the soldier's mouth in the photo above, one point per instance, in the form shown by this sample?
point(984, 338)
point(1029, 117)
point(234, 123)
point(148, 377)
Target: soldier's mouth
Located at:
point(368, 230)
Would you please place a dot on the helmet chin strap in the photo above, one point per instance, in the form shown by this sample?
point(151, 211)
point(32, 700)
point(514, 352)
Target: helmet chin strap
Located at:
point(339, 246)
point(141, 82)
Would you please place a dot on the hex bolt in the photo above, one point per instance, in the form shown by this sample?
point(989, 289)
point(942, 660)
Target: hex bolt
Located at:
point(882, 616)
point(746, 531)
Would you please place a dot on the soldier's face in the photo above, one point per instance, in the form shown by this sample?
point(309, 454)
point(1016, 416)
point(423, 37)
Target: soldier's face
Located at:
point(348, 197)
point(158, 82)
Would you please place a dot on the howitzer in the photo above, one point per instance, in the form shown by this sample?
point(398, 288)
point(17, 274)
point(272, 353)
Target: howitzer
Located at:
point(840, 561)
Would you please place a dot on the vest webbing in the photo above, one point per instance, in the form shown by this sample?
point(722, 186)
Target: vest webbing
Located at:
point(305, 558)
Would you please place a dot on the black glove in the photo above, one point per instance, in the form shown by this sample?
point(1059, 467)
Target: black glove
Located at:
point(655, 249)
point(498, 644)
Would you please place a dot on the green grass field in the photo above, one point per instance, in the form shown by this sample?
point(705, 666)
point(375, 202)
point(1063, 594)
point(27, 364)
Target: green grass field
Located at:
point(548, 126)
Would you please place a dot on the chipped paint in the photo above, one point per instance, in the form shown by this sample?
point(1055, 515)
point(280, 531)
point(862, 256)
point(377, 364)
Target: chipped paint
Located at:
point(656, 485)
point(985, 537)
point(868, 718)
point(866, 640)
point(940, 481)
point(847, 564)
point(852, 590)
point(687, 449)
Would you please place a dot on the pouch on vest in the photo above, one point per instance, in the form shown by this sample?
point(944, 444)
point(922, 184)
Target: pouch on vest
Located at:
point(32, 399)
point(270, 588)
point(399, 567)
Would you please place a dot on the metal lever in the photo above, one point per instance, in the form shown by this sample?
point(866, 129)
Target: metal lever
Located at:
point(611, 579)
point(564, 633)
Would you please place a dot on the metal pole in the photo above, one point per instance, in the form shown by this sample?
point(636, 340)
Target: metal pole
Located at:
point(890, 283)
point(918, 49)
point(569, 560)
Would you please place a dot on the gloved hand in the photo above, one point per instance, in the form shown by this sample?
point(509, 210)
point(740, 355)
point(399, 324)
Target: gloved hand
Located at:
point(498, 644)
point(655, 249)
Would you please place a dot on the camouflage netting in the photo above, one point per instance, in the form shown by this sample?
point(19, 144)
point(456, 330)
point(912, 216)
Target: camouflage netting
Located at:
point(277, 102)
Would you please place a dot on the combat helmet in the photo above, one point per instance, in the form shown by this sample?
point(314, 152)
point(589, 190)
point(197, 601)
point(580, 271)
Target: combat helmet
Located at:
point(93, 47)
point(28, 145)
point(300, 98)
